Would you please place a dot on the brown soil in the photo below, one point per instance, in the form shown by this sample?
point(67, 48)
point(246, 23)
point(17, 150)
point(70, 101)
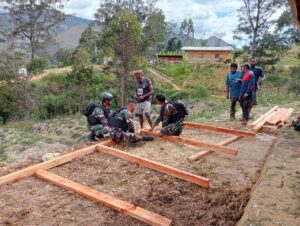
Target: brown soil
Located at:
point(34, 202)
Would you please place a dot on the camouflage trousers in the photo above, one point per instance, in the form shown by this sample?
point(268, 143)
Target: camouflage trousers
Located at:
point(99, 129)
point(119, 135)
point(173, 129)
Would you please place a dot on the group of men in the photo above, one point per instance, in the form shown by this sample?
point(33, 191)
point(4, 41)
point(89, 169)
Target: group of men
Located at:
point(119, 123)
point(242, 86)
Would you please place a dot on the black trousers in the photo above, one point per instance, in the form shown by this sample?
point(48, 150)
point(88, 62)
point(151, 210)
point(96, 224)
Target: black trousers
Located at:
point(245, 103)
point(233, 102)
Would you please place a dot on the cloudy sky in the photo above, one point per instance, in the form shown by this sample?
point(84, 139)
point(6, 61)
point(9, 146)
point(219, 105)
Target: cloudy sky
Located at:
point(210, 17)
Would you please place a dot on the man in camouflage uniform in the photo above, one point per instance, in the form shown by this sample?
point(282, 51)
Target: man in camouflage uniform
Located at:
point(170, 126)
point(121, 124)
point(98, 120)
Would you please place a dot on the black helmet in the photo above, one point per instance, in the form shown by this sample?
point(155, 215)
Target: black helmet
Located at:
point(106, 96)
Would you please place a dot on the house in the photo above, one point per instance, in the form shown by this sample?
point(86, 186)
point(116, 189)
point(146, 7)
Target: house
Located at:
point(169, 59)
point(295, 8)
point(210, 54)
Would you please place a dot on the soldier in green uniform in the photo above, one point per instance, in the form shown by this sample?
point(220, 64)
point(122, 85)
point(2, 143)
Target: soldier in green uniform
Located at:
point(98, 119)
point(121, 124)
point(171, 116)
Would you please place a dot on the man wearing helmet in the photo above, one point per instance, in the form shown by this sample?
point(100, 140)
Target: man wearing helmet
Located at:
point(98, 118)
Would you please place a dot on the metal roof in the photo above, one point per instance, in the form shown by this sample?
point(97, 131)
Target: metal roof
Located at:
point(198, 48)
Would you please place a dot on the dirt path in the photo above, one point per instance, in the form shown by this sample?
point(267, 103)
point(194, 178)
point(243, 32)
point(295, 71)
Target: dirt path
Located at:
point(164, 78)
point(276, 198)
point(51, 70)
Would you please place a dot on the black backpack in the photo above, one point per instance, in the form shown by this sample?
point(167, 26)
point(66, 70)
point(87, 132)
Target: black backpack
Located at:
point(181, 112)
point(88, 114)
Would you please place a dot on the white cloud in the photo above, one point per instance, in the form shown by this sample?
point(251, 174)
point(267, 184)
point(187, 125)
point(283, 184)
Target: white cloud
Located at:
point(209, 16)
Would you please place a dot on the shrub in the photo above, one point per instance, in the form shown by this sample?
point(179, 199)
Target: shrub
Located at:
point(37, 65)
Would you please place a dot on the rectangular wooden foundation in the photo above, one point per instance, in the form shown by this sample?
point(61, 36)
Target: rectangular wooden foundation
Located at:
point(181, 140)
point(104, 199)
point(239, 133)
point(29, 171)
point(203, 154)
point(204, 182)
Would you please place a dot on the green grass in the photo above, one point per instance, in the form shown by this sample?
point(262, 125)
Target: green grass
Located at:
point(175, 71)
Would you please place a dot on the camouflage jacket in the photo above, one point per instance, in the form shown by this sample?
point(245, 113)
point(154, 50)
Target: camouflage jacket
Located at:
point(165, 113)
point(101, 114)
point(126, 116)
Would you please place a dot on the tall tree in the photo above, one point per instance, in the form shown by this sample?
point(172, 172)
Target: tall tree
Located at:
point(35, 21)
point(187, 31)
point(255, 18)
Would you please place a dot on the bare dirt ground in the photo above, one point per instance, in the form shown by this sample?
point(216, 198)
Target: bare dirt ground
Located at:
point(35, 202)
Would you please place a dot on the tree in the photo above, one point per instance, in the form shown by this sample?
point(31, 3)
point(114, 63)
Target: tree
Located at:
point(88, 41)
point(154, 31)
point(63, 57)
point(255, 18)
point(187, 31)
point(35, 21)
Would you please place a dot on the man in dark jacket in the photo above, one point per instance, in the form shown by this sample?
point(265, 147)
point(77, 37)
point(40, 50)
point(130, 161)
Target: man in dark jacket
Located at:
point(247, 90)
point(259, 75)
point(171, 118)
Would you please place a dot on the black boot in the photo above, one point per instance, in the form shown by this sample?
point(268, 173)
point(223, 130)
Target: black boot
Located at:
point(147, 138)
point(100, 136)
point(91, 137)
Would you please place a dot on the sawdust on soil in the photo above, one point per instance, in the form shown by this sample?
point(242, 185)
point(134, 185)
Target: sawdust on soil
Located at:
point(32, 201)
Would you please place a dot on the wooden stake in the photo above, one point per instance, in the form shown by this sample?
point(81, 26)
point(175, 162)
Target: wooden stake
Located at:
point(106, 200)
point(181, 140)
point(220, 129)
point(29, 171)
point(202, 154)
point(155, 165)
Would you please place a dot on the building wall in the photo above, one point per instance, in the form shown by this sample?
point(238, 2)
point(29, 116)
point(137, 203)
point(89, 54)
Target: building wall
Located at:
point(211, 56)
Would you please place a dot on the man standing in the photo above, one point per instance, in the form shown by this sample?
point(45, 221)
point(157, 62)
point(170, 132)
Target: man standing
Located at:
point(247, 90)
point(143, 96)
point(233, 87)
point(97, 117)
point(121, 124)
point(259, 75)
point(172, 115)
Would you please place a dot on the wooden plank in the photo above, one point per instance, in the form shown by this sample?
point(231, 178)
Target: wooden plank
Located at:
point(203, 154)
point(181, 140)
point(239, 133)
point(104, 199)
point(204, 182)
point(287, 115)
point(263, 117)
point(29, 171)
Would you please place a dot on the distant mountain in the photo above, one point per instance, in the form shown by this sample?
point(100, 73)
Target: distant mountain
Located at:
point(214, 41)
point(68, 33)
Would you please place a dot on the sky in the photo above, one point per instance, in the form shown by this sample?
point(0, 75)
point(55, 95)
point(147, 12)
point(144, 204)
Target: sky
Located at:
point(210, 17)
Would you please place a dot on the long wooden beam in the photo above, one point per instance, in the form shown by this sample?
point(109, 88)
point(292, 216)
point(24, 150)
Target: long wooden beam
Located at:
point(259, 123)
point(106, 200)
point(239, 133)
point(207, 146)
point(29, 171)
point(202, 154)
point(204, 182)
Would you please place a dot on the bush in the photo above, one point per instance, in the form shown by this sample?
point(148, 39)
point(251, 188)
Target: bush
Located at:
point(199, 91)
point(53, 105)
point(37, 65)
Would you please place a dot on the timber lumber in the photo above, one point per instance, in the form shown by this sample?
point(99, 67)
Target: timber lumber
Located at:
point(202, 154)
point(29, 171)
point(104, 199)
point(239, 133)
point(287, 115)
point(181, 140)
point(204, 182)
point(262, 118)
point(276, 117)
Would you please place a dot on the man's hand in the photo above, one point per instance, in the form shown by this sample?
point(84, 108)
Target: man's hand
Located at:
point(245, 96)
point(139, 98)
point(161, 135)
point(227, 96)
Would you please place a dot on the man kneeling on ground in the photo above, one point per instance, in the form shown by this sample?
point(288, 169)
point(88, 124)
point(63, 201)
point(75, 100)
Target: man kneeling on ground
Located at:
point(172, 115)
point(121, 124)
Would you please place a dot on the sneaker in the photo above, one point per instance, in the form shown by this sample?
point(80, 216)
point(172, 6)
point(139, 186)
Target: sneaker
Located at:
point(147, 138)
point(91, 137)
